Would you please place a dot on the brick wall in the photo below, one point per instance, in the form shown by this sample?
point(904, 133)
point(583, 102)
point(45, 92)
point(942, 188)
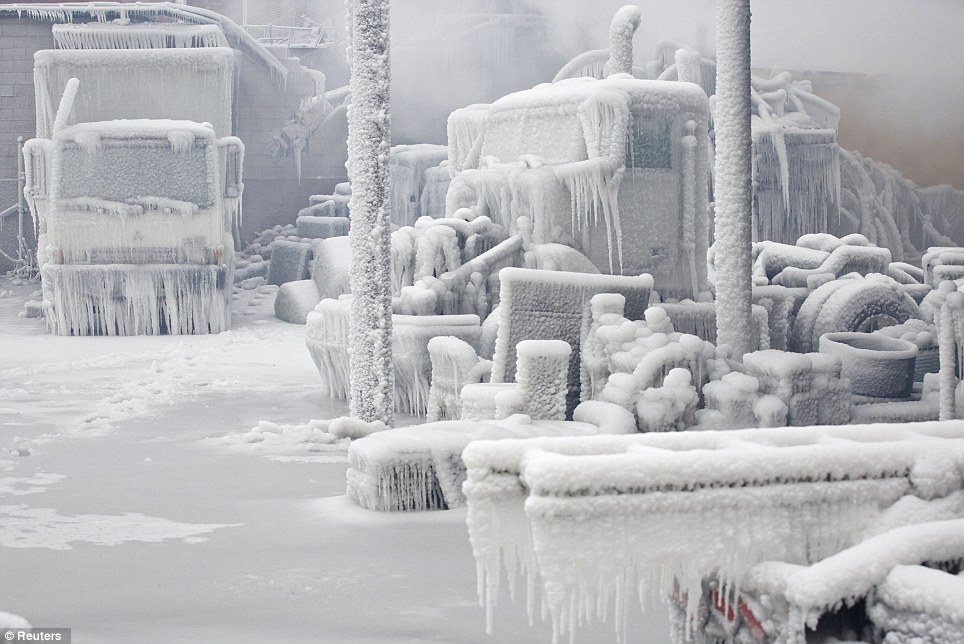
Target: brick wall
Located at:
point(19, 39)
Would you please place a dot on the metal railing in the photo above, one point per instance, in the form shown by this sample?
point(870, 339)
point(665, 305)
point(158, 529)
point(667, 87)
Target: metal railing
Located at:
point(303, 37)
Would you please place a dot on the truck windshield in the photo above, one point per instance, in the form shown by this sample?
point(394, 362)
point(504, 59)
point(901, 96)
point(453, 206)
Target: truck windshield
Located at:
point(125, 170)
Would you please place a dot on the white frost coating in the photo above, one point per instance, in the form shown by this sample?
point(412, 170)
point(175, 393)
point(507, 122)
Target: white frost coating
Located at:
point(732, 187)
point(598, 524)
point(369, 142)
point(190, 84)
point(915, 604)
point(621, 32)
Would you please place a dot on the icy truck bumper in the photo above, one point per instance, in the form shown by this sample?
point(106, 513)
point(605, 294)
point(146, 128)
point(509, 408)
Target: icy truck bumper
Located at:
point(143, 299)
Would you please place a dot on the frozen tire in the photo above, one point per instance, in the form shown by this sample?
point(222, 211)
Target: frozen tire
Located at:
point(860, 304)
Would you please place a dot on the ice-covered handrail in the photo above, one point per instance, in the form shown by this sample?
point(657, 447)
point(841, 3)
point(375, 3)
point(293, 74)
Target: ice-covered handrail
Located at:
point(503, 254)
point(589, 63)
point(137, 36)
point(103, 11)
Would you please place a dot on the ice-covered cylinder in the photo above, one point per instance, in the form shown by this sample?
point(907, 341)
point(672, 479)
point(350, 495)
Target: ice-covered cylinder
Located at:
point(369, 141)
point(733, 190)
point(621, 32)
point(688, 66)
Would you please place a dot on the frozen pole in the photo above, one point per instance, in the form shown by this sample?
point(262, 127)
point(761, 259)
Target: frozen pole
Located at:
point(733, 189)
point(370, 337)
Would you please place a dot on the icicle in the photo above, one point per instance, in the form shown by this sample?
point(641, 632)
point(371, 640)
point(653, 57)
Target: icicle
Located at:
point(109, 300)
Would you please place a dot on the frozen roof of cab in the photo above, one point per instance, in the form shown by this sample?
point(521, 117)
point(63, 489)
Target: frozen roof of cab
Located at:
point(649, 93)
point(135, 129)
point(105, 12)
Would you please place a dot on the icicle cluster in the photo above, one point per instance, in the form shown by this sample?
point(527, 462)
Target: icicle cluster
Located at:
point(421, 468)
point(894, 212)
point(600, 519)
point(139, 36)
point(141, 299)
point(585, 144)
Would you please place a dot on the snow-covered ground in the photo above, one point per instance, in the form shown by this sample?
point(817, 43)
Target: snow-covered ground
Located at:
point(127, 515)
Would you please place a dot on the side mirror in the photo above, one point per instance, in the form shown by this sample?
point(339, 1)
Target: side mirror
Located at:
point(35, 168)
point(231, 152)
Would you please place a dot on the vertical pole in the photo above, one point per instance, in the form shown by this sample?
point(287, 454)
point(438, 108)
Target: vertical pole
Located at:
point(369, 142)
point(23, 259)
point(733, 189)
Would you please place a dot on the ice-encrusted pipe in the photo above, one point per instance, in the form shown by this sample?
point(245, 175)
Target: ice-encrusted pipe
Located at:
point(688, 66)
point(369, 141)
point(733, 189)
point(621, 32)
point(66, 104)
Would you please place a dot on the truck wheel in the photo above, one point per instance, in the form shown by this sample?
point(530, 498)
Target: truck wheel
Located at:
point(861, 304)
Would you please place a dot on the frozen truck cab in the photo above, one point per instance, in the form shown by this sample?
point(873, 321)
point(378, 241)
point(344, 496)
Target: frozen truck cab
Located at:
point(135, 225)
point(616, 168)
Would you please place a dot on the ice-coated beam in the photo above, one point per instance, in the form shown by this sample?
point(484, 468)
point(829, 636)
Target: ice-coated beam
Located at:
point(733, 190)
point(369, 141)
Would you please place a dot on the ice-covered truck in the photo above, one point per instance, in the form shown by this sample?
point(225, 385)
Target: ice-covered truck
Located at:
point(135, 226)
point(616, 168)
